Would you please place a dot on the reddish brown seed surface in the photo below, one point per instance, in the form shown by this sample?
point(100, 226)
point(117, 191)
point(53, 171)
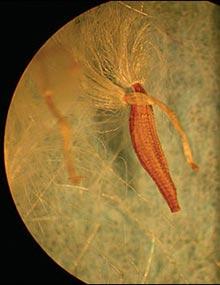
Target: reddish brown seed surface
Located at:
point(147, 146)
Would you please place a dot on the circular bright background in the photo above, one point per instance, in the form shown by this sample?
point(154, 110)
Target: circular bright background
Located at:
point(71, 167)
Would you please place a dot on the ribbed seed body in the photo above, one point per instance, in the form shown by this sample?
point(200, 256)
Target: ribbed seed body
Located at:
point(149, 151)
